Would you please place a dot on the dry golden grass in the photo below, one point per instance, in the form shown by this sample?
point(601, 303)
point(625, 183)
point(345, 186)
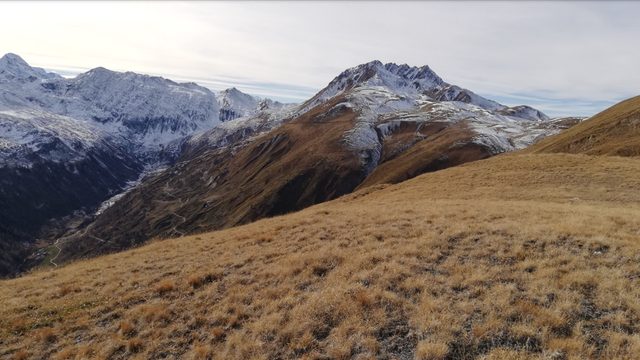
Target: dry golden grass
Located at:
point(514, 257)
point(614, 131)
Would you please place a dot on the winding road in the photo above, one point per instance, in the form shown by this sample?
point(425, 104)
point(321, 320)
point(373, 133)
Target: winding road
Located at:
point(166, 191)
point(59, 251)
point(84, 232)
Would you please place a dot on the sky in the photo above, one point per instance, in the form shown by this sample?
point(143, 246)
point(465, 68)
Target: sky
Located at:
point(564, 58)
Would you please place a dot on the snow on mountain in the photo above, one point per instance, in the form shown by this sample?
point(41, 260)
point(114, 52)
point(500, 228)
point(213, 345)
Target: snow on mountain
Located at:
point(266, 104)
point(150, 116)
point(234, 104)
point(379, 92)
point(456, 93)
point(524, 112)
point(270, 115)
point(150, 112)
point(28, 132)
point(403, 80)
point(13, 67)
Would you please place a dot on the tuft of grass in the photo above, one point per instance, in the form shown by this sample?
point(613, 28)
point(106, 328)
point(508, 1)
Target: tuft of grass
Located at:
point(217, 333)
point(22, 354)
point(164, 287)
point(68, 289)
point(431, 350)
point(195, 281)
point(135, 345)
point(127, 328)
point(362, 298)
point(47, 335)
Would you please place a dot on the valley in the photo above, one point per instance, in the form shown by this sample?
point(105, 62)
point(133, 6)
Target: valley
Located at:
point(232, 157)
point(371, 222)
point(323, 180)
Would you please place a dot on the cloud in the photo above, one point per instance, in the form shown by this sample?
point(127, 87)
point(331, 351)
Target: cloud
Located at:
point(580, 53)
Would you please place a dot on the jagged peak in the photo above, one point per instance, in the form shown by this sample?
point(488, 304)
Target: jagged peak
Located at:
point(233, 90)
point(104, 73)
point(375, 73)
point(401, 79)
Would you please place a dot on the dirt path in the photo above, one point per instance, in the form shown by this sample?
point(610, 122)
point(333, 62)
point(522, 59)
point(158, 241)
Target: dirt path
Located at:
point(166, 191)
point(77, 233)
point(58, 254)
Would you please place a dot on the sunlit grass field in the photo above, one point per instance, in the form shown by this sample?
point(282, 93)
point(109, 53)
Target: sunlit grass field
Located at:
point(514, 257)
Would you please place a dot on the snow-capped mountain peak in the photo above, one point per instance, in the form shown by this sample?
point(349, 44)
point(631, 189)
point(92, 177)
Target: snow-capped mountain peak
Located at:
point(146, 112)
point(13, 66)
point(524, 112)
point(396, 78)
point(234, 104)
point(414, 84)
point(235, 97)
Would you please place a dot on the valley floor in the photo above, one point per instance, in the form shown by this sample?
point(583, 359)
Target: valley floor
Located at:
point(514, 257)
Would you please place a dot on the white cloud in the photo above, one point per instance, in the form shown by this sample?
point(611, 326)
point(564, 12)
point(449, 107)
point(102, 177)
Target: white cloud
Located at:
point(578, 52)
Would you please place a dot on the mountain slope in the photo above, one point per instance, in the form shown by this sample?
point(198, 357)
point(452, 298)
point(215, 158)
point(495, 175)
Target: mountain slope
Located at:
point(66, 145)
point(612, 132)
point(272, 175)
point(13, 67)
point(146, 113)
point(149, 111)
point(380, 126)
point(517, 256)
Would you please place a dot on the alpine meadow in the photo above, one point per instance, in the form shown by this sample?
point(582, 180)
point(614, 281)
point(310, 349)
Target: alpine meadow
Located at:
point(245, 180)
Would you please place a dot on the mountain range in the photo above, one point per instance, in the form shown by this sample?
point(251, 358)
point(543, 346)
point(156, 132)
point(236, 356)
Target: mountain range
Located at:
point(193, 161)
point(529, 254)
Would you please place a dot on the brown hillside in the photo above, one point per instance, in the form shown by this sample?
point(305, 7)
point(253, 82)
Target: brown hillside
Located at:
point(304, 162)
point(417, 148)
point(295, 166)
point(615, 131)
point(513, 257)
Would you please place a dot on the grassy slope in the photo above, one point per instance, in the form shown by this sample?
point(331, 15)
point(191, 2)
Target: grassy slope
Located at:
point(615, 131)
point(495, 258)
point(433, 152)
